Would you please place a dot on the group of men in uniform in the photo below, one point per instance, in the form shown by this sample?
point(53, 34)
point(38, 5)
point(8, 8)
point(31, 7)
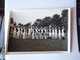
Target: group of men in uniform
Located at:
point(38, 33)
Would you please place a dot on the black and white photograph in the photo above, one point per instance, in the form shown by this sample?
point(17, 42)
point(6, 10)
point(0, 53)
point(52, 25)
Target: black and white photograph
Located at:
point(39, 30)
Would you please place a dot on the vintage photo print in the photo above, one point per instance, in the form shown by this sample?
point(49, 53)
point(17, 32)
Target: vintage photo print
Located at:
point(34, 30)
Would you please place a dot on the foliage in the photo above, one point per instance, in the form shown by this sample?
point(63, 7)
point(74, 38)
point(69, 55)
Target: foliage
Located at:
point(55, 20)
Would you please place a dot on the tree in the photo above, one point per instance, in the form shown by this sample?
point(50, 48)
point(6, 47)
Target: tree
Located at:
point(27, 24)
point(65, 19)
point(56, 20)
point(19, 24)
point(47, 21)
point(37, 23)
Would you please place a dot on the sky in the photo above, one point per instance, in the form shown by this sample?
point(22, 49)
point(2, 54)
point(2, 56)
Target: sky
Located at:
point(30, 15)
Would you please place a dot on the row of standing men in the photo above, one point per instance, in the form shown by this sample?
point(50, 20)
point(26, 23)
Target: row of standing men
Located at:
point(38, 33)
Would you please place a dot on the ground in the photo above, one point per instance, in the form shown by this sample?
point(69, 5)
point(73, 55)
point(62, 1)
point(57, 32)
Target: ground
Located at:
point(19, 45)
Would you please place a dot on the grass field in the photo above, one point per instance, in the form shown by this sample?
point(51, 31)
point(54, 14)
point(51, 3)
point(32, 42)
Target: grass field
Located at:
point(19, 45)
